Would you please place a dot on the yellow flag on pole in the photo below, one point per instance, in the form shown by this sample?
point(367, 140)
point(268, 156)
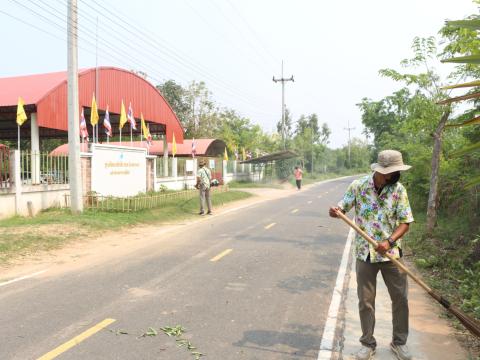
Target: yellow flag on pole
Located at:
point(225, 155)
point(146, 131)
point(174, 146)
point(123, 116)
point(94, 112)
point(244, 155)
point(21, 115)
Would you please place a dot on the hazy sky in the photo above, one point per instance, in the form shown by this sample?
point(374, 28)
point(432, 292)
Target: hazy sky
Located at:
point(334, 49)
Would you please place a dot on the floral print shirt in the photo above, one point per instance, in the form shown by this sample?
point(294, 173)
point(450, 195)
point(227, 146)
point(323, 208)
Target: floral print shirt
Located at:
point(377, 215)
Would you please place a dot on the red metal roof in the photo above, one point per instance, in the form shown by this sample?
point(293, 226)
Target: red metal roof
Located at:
point(48, 92)
point(203, 147)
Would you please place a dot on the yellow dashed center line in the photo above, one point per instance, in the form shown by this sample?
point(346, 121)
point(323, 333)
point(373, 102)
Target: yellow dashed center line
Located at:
point(222, 254)
point(76, 340)
point(270, 225)
point(294, 211)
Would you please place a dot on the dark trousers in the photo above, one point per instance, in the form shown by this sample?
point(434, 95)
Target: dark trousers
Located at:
point(397, 286)
point(299, 184)
point(205, 198)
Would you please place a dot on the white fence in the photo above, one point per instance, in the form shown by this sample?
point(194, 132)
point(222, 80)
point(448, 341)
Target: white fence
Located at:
point(31, 182)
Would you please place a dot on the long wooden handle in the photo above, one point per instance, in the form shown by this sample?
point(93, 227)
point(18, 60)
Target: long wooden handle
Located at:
point(374, 244)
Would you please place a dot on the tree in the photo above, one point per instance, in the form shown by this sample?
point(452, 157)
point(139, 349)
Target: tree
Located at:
point(324, 134)
point(464, 41)
point(175, 95)
point(427, 82)
point(309, 140)
point(238, 132)
point(381, 117)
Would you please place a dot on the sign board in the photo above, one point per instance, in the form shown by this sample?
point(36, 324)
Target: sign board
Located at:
point(212, 164)
point(189, 165)
point(118, 170)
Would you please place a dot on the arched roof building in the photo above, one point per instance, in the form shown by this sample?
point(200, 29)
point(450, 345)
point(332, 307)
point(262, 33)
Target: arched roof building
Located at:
point(45, 96)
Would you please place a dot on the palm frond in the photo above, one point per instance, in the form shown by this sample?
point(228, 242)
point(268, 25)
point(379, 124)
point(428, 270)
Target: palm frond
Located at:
point(469, 59)
point(475, 120)
point(466, 150)
point(473, 24)
point(459, 98)
point(468, 84)
point(473, 182)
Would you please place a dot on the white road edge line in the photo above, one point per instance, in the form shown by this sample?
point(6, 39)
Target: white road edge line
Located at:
point(22, 278)
point(328, 336)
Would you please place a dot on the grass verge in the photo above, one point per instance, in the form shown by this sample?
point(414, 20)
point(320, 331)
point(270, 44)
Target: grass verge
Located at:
point(54, 228)
point(249, 185)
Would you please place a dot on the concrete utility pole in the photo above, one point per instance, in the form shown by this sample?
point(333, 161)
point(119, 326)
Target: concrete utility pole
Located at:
point(349, 129)
point(283, 80)
point(74, 166)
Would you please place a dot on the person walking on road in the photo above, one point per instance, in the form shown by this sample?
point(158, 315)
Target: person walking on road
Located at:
point(298, 176)
point(204, 177)
point(383, 211)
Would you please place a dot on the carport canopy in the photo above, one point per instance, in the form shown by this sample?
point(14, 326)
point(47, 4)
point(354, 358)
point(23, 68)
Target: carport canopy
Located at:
point(279, 155)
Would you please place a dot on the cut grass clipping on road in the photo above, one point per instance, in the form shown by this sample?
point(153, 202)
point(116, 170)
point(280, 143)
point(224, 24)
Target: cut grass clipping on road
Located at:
point(53, 228)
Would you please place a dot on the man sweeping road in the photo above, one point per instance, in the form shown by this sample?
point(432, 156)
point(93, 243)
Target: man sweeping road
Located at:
point(383, 211)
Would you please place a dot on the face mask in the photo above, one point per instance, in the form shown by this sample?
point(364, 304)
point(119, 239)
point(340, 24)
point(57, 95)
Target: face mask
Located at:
point(394, 178)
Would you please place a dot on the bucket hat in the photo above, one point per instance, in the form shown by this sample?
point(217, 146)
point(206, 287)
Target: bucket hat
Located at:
point(389, 161)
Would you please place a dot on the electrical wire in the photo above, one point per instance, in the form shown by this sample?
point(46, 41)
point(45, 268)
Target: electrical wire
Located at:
point(115, 50)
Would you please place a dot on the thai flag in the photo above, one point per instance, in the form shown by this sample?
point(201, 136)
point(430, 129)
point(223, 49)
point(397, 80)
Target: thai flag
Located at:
point(236, 154)
point(194, 148)
point(83, 127)
point(130, 118)
point(106, 124)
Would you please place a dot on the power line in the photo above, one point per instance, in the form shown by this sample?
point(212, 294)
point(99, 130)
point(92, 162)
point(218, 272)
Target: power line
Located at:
point(170, 53)
point(232, 23)
point(133, 61)
point(49, 21)
point(104, 44)
point(252, 30)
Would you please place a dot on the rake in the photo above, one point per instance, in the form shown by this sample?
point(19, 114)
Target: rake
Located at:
point(471, 324)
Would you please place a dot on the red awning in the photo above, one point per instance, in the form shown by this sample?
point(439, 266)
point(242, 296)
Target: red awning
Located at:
point(204, 147)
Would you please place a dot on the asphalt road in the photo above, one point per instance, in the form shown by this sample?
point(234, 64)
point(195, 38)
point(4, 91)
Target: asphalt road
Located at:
point(265, 295)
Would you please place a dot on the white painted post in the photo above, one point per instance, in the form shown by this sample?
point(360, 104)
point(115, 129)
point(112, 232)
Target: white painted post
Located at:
point(174, 168)
point(155, 174)
point(35, 149)
point(195, 161)
point(224, 170)
point(17, 179)
point(165, 156)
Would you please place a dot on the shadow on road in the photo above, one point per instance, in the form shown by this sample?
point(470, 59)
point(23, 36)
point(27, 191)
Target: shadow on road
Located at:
point(318, 279)
point(303, 341)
